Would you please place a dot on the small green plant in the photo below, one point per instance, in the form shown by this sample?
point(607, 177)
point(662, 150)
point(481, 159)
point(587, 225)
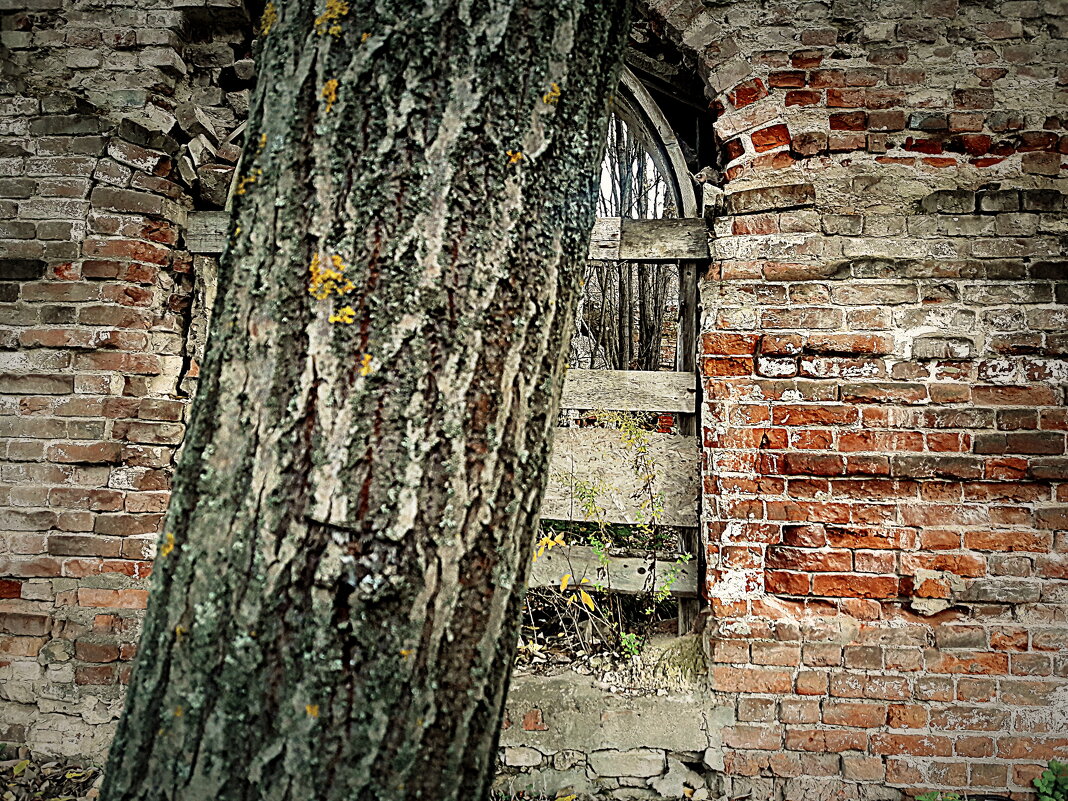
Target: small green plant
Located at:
point(1052, 784)
point(630, 644)
point(663, 592)
point(939, 795)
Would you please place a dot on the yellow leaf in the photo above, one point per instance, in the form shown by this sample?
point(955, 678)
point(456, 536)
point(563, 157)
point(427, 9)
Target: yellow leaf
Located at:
point(20, 767)
point(586, 599)
point(312, 710)
point(563, 581)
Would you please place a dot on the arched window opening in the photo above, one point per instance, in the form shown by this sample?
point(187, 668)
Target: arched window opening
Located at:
point(629, 314)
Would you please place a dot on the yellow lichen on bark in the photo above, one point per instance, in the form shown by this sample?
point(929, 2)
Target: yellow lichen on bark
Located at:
point(326, 281)
point(268, 19)
point(328, 21)
point(329, 94)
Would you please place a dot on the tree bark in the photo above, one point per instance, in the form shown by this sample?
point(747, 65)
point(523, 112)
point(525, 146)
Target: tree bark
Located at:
point(335, 609)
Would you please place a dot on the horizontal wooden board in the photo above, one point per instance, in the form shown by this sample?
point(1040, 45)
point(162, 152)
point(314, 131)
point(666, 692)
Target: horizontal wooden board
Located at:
point(649, 240)
point(598, 458)
point(206, 231)
point(611, 239)
point(659, 240)
point(624, 574)
point(630, 390)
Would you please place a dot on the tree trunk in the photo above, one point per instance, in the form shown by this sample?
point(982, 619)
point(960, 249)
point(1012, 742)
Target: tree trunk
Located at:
point(335, 610)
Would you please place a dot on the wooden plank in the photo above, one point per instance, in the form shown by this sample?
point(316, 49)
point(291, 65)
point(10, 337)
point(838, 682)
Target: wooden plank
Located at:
point(663, 240)
point(206, 231)
point(686, 361)
point(624, 574)
point(629, 390)
point(604, 239)
point(597, 458)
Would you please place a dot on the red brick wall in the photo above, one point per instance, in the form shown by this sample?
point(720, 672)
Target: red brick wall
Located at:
point(883, 348)
point(101, 322)
point(884, 358)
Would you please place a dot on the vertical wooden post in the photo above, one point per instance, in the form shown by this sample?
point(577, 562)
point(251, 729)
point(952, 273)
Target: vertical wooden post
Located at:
point(686, 361)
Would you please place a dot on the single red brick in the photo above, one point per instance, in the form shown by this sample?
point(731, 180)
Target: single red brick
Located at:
point(1030, 541)
point(714, 343)
point(747, 92)
point(532, 721)
point(85, 453)
point(96, 652)
point(965, 565)
point(854, 586)
point(96, 674)
point(733, 149)
point(755, 224)
point(807, 559)
point(809, 143)
point(975, 663)
point(811, 682)
point(760, 738)
point(858, 715)
point(806, 59)
point(811, 535)
point(727, 367)
point(771, 137)
point(973, 144)
point(915, 745)
point(130, 249)
point(907, 716)
point(803, 97)
point(780, 582)
point(975, 747)
point(923, 145)
point(849, 121)
point(751, 680)
point(1037, 140)
point(886, 120)
point(813, 464)
point(787, 79)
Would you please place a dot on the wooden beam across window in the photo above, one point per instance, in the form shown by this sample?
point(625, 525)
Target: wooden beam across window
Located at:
point(629, 391)
point(594, 476)
point(630, 575)
point(615, 239)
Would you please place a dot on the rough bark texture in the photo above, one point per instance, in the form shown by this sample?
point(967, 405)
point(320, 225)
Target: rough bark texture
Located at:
point(354, 508)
